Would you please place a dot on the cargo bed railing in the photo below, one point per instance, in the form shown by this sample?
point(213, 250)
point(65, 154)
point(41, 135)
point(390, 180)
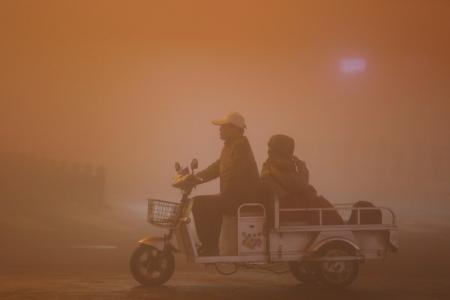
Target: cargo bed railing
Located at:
point(338, 207)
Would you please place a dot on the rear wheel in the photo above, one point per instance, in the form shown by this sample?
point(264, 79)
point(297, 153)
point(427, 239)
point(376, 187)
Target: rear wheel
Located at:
point(338, 274)
point(150, 266)
point(305, 271)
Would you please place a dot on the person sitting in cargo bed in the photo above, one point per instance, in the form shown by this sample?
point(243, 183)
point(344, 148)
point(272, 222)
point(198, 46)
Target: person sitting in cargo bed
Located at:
point(288, 177)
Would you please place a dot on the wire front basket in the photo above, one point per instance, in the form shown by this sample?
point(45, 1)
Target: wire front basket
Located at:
point(163, 213)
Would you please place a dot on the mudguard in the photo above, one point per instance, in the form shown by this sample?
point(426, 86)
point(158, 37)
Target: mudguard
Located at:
point(318, 245)
point(157, 242)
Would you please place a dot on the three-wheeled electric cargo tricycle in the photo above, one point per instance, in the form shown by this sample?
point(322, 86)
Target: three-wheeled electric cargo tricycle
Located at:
point(326, 254)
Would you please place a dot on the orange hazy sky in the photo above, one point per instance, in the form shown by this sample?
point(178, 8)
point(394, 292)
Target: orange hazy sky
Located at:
point(133, 85)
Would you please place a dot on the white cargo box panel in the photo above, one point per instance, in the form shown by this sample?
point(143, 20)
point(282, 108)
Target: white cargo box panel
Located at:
point(251, 235)
point(290, 244)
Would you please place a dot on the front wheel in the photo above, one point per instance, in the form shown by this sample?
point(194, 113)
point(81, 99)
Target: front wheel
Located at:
point(150, 266)
point(338, 274)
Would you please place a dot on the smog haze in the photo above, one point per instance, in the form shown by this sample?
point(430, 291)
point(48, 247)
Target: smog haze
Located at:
point(134, 88)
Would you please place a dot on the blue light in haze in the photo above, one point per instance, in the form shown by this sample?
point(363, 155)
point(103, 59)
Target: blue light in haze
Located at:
point(352, 65)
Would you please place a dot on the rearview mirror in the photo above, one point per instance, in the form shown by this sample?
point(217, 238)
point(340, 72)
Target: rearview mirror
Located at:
point(194, 164)
point(177, 166)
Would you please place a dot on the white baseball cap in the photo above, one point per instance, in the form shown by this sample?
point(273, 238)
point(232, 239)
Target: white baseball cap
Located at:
point(234, 118)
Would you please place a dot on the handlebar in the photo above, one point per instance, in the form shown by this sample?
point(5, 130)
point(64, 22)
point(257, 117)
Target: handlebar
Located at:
point(186, 183)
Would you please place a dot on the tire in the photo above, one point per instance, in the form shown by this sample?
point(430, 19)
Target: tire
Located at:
point(306, 272)
point(337, 274)
point(150, 266)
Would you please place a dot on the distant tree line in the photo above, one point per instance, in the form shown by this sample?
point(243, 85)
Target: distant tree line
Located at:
point(29, 183)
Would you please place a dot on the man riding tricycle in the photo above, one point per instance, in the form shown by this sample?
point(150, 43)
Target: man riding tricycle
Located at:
point(246, 226)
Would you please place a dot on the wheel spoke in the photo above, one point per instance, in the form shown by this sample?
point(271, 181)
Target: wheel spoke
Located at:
point(150, 266)
point(152, 253)
point(154, 264)
point(337, 272)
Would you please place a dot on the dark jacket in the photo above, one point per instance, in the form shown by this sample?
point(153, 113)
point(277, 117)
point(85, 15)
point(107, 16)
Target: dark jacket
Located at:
point(238, 172)
point(288, 178)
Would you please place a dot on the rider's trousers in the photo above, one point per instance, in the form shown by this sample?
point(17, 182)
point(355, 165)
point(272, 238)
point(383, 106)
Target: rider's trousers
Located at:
point(208, 211)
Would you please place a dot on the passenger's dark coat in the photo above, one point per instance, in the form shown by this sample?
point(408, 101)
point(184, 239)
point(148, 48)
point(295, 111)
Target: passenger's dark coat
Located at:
point(288, 178)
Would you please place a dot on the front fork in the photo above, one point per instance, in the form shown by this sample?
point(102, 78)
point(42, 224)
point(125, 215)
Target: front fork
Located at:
point(168, 247)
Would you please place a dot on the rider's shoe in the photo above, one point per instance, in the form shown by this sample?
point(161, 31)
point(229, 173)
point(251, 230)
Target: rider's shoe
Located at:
point(207, 251)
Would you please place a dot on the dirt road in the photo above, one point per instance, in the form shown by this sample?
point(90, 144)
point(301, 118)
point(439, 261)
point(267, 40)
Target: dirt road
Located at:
point(421, 270)
point(205, 284)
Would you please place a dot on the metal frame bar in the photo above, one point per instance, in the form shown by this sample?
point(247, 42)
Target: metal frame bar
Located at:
point(232, 259)
point(297, 228)
point(278, 210)
point(251, 204)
